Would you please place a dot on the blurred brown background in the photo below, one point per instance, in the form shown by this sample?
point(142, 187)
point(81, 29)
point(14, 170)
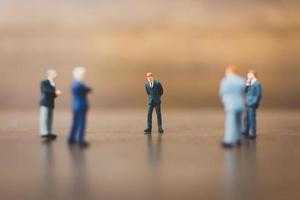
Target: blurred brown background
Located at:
point(186, 43)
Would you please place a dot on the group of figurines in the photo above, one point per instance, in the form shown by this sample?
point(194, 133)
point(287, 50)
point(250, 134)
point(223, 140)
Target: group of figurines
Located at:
point(80, 106)
point(233, 90)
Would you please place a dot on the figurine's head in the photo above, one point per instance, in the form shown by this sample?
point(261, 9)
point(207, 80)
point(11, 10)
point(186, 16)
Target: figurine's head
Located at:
point(231, 70)
point(51, 74)
point(150, 76)
point(252, 74)
point(79, 73)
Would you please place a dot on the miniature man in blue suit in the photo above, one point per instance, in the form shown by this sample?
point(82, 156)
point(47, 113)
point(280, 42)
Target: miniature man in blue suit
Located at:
point(154, 91)
point(80, 107)
point(231, 92)
point(253, 97)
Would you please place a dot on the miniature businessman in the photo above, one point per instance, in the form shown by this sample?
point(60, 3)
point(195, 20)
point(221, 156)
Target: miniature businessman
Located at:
point(47, 104)
point(80, 107)
point(253, 97)
point(231, 92)
point(154, 91)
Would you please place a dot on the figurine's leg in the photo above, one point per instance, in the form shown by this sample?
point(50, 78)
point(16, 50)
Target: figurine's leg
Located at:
point(252, 122)
point(81, 127)
point(229, 127)
point(50, 120)
point(149, 117)
point(238, 126)
point(159, 117)
point(43, 121)
point(74, 126)
point(246, 122)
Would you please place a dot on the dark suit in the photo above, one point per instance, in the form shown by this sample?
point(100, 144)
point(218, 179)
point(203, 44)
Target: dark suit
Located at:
point(47, 94)
point(47, 98)
point(253, 97)
point(80, 108)
point(154, 95)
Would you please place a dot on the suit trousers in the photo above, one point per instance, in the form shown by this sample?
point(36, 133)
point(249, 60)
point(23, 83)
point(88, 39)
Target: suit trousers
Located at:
point(157, 107)
point(250, 121)
point(46, 120)
point(77, 130)
point(233, 129)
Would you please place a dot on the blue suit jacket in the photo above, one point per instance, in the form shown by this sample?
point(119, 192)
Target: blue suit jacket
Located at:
point(253, 94)
point(232, 93)
point(79, 93)
point(154, 93)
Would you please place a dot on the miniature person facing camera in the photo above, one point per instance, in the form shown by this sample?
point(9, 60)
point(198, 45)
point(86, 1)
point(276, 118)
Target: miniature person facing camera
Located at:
point(231, 92)
point(47, 104)
point(80, 107)
point(154, 91)
point(253, 97)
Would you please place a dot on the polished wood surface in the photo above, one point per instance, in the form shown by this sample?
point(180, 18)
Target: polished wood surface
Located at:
point(187, 162)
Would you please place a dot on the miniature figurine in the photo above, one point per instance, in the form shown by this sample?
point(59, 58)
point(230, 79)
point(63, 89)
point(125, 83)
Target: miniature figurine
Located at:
point(80, 108)
point(231, 92)
point(47, 104)
point(253, 97)
point(154, 91)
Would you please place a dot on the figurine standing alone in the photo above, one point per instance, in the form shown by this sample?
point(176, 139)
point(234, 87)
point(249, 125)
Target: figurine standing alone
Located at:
point(80, 107)
point(47, 104)
point(154, 91)
point(253, 97)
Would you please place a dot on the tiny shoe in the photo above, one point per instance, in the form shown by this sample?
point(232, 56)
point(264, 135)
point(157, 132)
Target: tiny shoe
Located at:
point(251, 137)
point(71, 142)
point(239, 143)
point(161, 131)
point(46, 139)
point(52, 136)
point(226, 145)
point(245, 133)
point(84, 144)
point(147, 131)
point(49, 136)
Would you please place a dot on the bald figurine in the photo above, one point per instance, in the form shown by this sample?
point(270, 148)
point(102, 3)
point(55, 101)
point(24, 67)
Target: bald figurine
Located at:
point(232, 95)
point(154, 91)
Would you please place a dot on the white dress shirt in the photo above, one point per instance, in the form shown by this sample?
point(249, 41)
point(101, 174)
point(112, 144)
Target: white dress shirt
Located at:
point(52, 82)
point(151, 84)
point(252, 82)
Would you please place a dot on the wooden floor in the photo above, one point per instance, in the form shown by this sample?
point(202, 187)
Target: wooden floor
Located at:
point(187, 162)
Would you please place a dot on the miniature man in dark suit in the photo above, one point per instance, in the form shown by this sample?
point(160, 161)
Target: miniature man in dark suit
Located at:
point(47, 104)
point(253, 97)
point(154, 91)
point(80, 108)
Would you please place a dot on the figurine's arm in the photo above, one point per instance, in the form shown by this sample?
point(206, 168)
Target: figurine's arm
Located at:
point(47, 90)
point(83, 88)
point(147, 89)
point(161, 89)
point(87, 88)
point(222, 89)
point(246, 88)
point(256, 96)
